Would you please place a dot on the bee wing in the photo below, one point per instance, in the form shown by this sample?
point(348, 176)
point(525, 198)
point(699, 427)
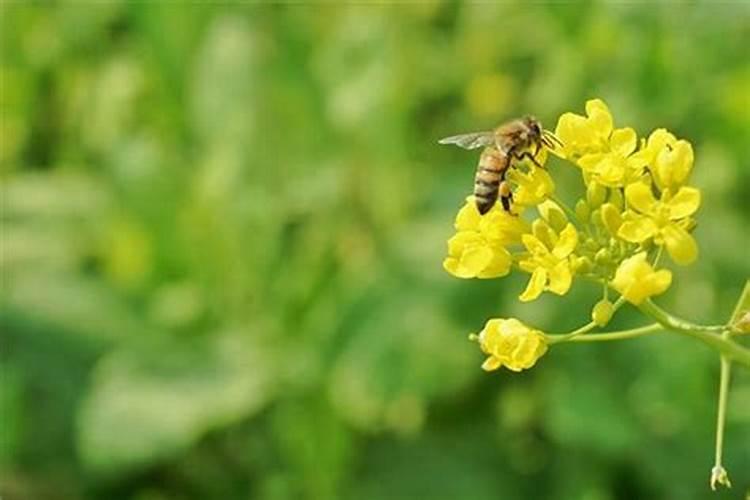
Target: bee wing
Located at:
point(470, 141)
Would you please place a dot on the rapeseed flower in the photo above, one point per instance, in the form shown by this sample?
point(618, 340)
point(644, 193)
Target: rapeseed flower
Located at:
point(637, 280)
point(510, 343)
point(665, 220)
point(548, 260)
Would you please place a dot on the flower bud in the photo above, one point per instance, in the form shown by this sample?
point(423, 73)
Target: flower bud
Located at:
point(595, 194)
point(611, 218)
point(581, 265)
point(553, 214)
point(602, 312)
point(582, 211)
point(603, 256)
point(616, 198)
point(742, 324)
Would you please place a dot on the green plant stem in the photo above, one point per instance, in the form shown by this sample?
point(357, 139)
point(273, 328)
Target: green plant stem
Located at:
point(620, 335)
point(706, 334)
point(565, 337)
point(603, 337)
point(726, 368)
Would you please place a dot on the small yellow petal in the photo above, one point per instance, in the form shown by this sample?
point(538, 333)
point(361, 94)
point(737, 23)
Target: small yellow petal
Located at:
point(534, 245)
point(567, 242)
point(599, 117)
point(491, 363)
point(536, 285)
point(475, 259)
point(623, 141)
point(560, 278)
point(680, 244)
point(637, 229)
point(499, 265)
point(659, 282)
point(684, 203)
point(640, 197)
point(468, 217)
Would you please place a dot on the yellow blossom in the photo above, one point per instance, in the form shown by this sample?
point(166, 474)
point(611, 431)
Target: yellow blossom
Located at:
point(510, 343)
point(478, 248)
point(664, 220)
point(669, 160)
point(472, 256)
point(637, 280)
point(582, 135)
point(603, 152)
point(533, 187)
point(548, 260)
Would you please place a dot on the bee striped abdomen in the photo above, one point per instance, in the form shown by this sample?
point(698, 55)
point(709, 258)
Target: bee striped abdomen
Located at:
point(487, 180)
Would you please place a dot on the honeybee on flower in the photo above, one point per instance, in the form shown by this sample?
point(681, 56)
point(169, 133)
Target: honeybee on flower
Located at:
point(637, 206)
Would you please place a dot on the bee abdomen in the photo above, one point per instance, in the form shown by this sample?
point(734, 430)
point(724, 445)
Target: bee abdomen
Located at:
point(487, 180)
point(485, 193)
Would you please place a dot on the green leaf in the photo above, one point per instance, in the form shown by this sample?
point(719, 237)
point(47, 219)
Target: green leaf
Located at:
point(149, 404)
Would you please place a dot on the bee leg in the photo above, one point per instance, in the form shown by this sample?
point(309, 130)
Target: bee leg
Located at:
point(506, 195)
point(505, 200)
point(529, 156)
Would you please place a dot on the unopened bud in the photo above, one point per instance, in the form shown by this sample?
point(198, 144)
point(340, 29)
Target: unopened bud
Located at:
point(611, 217)
point(582, 211)
point(603, 256)
point(595, 194)
point(553, 214)
point(616, 198)
point(582, 265)
point(742, 324)
point(602, 312)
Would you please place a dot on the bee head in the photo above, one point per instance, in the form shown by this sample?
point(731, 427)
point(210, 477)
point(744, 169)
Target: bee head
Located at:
point(533, 126)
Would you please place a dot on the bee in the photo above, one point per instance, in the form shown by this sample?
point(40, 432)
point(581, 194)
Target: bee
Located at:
point(510, 142)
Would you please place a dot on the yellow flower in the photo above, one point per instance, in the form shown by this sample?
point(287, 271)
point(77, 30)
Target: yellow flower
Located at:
point(512, 344)
point(603, 152)
point(669, 160)
point(534, 186)
point(478, 248)
point(548, 260)
point(636, 280)
point(582, 135)
point(470, 255)
point(665, 220)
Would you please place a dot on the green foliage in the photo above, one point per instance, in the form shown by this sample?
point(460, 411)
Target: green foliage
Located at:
point(222, 235)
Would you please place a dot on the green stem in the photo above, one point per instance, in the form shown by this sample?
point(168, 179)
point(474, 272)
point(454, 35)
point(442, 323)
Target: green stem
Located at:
point(706, 334)
point(554, 338)
point(620, 335)
point(721, 417)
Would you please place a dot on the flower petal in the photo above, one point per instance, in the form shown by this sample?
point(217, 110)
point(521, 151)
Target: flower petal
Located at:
point(491, 363)
point(499, 265)
point(560, 278)
point(623, 141)
point(567, 242)
point(684, 203)
point(468, 217)
point(534, 245)
point(637, 229)
point(680, 244)
point(536, 285)
point(640, 197)
point(600, 119)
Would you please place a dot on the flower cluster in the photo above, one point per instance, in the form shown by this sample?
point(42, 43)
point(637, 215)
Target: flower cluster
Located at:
point(637, 204)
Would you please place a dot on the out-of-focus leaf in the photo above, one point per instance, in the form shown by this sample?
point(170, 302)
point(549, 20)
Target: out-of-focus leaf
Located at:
point(145, 406)
point(403, 357)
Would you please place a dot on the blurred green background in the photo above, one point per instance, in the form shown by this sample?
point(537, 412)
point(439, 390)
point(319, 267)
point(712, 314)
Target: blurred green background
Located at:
point(222, 235)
